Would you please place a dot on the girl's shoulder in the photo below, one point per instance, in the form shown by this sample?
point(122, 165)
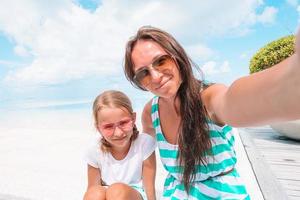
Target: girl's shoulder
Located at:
point(144, 138)
point(93, 154)
point(94, 147)
point(145, 144)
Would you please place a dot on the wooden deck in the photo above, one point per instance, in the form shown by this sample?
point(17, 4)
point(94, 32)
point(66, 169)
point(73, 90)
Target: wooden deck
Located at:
point(275, 161)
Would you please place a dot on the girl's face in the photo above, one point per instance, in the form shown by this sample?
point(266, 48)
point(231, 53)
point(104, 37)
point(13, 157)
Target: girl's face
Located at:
point(155, 70)
point(116, 126)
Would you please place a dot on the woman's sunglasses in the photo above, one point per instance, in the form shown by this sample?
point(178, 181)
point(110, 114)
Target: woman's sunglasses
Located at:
point(161, 64)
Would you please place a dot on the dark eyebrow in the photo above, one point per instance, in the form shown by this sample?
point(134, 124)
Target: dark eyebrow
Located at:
point(157, 56)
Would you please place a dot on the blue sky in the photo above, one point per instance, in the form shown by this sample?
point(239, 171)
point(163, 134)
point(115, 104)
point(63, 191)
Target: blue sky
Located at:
point(65, 52)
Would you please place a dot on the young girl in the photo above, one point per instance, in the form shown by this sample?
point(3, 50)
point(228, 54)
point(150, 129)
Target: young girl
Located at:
point(122, 164)
point(190, 119)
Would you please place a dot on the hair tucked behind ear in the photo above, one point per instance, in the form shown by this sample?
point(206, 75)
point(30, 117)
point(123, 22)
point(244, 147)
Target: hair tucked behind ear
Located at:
point(194, 141)
point(112, 99)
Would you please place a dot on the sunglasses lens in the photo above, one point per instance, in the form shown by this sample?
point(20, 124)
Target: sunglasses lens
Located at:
point(163, 63)
point(143, 77)
point(125, 125)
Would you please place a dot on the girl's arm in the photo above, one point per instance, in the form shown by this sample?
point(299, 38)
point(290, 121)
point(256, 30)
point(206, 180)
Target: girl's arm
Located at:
point(149, 172)
point(94, 177)
point(262, 98)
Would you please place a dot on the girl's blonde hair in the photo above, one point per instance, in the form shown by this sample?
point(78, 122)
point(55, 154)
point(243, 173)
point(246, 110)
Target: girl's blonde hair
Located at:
point(112, 99)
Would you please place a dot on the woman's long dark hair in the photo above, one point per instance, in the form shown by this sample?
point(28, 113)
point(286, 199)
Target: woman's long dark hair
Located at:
point(193, 140)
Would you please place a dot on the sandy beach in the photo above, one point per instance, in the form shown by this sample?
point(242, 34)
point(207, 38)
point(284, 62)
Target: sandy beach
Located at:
point(42, 152)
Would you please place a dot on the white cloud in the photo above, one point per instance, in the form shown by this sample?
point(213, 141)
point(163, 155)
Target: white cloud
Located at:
point(199, 52)
point(225, 67)
point(292, 2)
point(68, 42)
point(244, 56)
point(296, 5)
point(21, 51)
point(212, 68)
point(268, 15)
point(298, 10)
point(10, 64)
point(28, 17)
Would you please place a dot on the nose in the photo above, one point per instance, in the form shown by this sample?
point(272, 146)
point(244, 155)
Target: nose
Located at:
point(118, 131)
point(155, 76)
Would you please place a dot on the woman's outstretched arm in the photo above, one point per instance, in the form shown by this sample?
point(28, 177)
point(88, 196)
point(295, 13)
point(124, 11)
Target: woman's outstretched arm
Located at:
point(262, 98)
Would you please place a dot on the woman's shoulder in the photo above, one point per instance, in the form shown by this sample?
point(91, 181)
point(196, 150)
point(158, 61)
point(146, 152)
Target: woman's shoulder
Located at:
point(212, 99)
point(147, 107)
point(147, 118)
point(149, 104)
point(209, 92)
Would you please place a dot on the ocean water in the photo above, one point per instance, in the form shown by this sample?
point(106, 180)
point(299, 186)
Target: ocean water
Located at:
point(67, 114)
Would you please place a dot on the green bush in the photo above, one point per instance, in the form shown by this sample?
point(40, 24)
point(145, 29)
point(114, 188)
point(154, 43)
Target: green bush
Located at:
point(272, 53)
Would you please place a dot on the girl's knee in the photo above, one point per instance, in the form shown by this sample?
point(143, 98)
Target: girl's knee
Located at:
point(95, 193)
point(119, 191)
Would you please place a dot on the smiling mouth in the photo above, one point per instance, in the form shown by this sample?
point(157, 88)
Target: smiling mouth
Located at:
point(120, 139)
point(160, 86)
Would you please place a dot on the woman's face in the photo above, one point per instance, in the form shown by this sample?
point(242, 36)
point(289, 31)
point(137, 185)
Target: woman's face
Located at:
point(155, 69)
point(116, 126)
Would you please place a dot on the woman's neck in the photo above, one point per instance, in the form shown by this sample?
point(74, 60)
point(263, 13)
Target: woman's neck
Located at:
point(171, 103)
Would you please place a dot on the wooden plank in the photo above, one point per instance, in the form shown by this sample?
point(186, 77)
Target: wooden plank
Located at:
point(290, 184)
point(293, 193)
point(293, 197)
point(282, 155)
point(287, 175)
point(269, 185)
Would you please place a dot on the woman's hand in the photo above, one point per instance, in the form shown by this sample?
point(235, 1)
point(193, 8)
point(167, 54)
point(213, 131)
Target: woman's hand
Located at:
point(297, 44)
point(297, 48)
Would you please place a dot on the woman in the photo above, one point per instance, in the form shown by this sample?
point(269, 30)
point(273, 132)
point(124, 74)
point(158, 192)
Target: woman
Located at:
point(190, 120)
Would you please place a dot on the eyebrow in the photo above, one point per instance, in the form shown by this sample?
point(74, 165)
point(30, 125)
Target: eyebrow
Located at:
point(107, 124)
point(123, 119)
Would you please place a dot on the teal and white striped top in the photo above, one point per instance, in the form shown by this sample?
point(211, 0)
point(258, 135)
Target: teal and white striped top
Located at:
point(208, 182)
